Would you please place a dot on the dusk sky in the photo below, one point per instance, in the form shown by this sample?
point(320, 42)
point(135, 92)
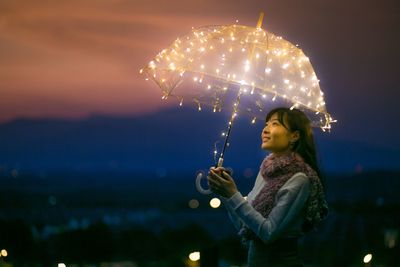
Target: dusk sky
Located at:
point(71, 59)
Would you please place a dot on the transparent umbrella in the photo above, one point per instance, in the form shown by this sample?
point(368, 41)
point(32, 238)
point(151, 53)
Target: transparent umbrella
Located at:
point(247, 70)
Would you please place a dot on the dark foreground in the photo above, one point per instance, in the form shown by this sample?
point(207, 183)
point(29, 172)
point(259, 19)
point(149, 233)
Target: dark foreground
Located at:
point(117, 219)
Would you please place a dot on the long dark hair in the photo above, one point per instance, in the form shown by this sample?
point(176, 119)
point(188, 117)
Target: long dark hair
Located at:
point(296, 120)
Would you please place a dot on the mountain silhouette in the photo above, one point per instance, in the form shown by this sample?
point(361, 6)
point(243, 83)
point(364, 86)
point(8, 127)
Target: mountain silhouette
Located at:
point(171, 140)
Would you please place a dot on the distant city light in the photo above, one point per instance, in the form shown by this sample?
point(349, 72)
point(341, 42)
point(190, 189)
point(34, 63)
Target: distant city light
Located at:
point(391, 237)
point(194, 256)
point(194, 203)
point(215, 203)
point(4, 253)
point(367, 258)
point(52, 200)
point(14, 173)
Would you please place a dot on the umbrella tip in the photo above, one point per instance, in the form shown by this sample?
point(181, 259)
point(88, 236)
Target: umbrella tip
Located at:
point(260, 20)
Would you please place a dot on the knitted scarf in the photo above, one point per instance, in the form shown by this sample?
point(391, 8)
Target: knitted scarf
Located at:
point(276, 171)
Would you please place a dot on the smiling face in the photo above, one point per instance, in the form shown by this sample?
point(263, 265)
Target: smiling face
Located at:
point(276, 137)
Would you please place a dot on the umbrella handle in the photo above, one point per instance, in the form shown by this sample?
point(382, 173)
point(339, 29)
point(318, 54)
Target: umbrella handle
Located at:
point(200, 188)
point(201, 174)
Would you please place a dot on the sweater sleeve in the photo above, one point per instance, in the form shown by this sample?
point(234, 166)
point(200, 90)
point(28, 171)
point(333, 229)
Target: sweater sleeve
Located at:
point(290, 201)
point(237, 222)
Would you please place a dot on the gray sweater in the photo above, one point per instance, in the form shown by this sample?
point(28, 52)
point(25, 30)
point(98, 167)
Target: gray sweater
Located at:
point(285, 219)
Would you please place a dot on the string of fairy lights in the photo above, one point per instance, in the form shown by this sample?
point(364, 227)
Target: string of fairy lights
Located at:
point(207, 63)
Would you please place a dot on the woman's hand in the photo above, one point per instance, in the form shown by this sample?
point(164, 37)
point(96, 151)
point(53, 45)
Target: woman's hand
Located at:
point(221, 183)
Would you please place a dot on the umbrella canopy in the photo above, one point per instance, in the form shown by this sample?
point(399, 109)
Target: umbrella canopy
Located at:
point(214, 64)
point(243, 68)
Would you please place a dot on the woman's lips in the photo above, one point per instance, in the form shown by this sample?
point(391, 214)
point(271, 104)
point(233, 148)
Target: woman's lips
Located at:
point(265, 139)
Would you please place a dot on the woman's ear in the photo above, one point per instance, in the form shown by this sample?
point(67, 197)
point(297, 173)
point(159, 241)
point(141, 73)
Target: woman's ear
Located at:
point(295, 136)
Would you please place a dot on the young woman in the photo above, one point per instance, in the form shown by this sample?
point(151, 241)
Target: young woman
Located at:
point(287, 198)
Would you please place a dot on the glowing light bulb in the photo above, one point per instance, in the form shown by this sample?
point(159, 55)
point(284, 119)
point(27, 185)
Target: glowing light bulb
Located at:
point(247, 66)
point(172, 66)
point(152, 65)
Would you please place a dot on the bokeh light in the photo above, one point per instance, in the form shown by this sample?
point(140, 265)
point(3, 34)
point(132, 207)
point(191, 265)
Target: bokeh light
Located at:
point(215, 202)
point(194, 203)
point(367, 258)
point(4, 253)
point(194, 256)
